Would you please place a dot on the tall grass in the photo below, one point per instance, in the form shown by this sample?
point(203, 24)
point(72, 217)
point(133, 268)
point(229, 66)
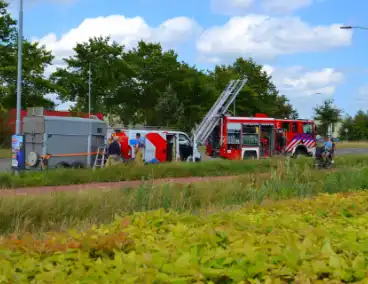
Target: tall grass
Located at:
point(169, 170)
point(57, 211)
point(352, 145)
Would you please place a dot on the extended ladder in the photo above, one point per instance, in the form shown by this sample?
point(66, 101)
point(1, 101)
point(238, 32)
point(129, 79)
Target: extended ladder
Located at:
point(205, 128)
point(100, 160)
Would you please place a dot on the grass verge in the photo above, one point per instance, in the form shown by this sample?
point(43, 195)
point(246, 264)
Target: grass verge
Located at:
point(58, 211)
point(352, 145)
point(170, 170)
point(311, 241)
point(5, 153)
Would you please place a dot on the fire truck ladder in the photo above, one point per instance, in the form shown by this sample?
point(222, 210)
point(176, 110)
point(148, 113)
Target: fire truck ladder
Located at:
point(205, 128)
point(100, 160)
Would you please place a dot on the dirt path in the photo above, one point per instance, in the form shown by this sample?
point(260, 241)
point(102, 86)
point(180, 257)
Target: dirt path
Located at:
point(107, 185)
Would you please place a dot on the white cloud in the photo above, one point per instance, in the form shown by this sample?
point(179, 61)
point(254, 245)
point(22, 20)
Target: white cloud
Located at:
point(240, 7)
point(305, 88)
point(261, 36)
point(127, 31)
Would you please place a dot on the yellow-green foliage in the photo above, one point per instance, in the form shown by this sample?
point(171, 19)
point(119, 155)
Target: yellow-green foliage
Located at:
point(302, 241)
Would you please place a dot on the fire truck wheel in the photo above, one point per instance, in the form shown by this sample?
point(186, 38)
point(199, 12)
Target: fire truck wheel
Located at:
point(77, 165)
point(190, 159)
point(300, 152)
point(62, 165)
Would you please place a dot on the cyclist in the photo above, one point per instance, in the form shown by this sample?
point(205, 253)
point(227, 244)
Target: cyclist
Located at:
point(328, 148)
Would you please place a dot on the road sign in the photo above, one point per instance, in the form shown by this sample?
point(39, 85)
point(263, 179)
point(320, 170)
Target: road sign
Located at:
point(346, 130)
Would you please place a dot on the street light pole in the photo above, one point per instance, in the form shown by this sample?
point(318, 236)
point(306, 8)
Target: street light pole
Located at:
point(89, 89)
point(353, 27)
point(89, 141)
point(19, 77)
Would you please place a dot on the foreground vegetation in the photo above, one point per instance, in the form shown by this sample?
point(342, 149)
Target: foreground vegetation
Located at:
point(127, 172)
point(289, 241)
point(289, 223)
point(57, 211)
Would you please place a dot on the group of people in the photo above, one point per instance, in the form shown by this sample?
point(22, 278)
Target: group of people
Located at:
point(114, 152)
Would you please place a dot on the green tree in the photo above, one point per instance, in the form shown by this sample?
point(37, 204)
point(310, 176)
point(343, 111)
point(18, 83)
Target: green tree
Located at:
point(325, 115)
point(154, 70)
point(259, 95)
point(196, 91)
point(169, 108)
point(357, 127)
point(35, 61)
point(112, 84)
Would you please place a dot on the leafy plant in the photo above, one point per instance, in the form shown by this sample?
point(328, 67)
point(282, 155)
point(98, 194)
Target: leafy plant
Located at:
point(301, 241)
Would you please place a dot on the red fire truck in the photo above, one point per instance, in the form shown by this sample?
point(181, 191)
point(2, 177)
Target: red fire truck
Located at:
point(260, 136)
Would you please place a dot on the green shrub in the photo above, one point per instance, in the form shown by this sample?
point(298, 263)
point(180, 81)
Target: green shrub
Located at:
point(295, 241)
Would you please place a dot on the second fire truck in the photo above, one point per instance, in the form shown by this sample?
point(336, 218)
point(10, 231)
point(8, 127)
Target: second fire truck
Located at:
point(234, 137)
point(260, 137)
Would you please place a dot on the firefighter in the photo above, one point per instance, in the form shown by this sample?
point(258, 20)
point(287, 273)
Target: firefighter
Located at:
point(114, 152)
point(138, 147)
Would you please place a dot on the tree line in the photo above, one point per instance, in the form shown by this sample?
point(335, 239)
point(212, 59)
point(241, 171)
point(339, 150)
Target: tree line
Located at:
point(354, 128)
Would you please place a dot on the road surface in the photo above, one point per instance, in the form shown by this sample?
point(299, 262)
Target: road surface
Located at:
point(5, 163)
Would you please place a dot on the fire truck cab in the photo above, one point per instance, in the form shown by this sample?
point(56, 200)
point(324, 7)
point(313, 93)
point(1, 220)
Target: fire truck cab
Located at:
point(260, 137)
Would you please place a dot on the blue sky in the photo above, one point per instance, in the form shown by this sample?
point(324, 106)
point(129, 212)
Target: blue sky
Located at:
point(298, 40)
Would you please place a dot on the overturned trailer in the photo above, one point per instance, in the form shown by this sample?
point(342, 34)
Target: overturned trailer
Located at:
point(61, 142)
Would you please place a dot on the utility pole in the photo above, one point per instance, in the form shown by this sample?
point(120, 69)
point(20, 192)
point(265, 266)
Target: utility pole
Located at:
point(19, 69)
point(89, 89)
point(89, 142)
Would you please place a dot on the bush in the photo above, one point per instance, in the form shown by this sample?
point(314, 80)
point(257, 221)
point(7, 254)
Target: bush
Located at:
point(295, 241)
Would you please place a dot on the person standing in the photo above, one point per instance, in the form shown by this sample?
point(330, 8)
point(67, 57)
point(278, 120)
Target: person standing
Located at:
point(114, 152)
point(138, 150)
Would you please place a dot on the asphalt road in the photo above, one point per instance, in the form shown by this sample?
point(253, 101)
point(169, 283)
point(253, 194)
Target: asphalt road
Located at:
point(5, 163)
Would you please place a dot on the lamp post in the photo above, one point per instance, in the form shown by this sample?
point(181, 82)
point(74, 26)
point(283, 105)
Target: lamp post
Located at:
point(353, 27)
point(89, 142)
point(19, 77)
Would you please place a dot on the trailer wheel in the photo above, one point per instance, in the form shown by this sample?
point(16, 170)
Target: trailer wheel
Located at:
point(77, 165)
point(62, 165)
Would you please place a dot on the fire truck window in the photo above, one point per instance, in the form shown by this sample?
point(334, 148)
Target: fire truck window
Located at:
point(250, 140)
point(183, 139)
point(286, 126)
point(294, 127)
point(307, 128)
point(233, 137)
